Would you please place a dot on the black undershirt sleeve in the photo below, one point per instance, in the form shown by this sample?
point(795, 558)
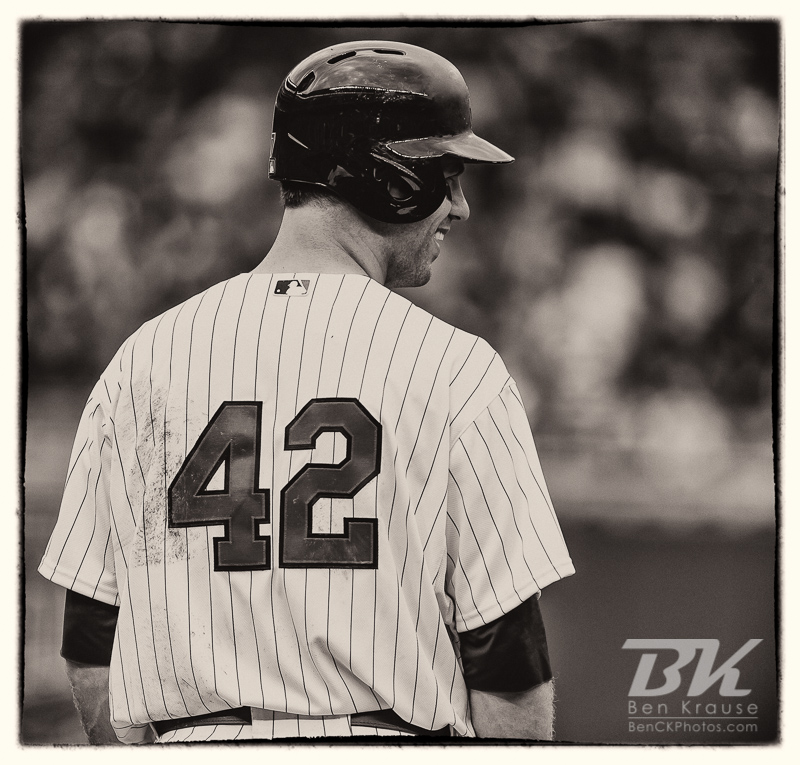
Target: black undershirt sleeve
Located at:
point(509, 654)
point(89, 628)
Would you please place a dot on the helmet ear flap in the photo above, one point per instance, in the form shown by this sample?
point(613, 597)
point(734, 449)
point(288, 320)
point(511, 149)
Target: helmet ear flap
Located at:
point(390, 192)
point(368, 177)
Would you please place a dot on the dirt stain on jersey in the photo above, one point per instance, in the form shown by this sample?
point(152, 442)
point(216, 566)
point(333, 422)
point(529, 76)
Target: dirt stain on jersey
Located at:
point(163, 436)
point(156, 540)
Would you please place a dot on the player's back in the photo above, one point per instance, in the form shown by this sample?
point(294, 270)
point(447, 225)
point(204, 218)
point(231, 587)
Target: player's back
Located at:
point(286, 531)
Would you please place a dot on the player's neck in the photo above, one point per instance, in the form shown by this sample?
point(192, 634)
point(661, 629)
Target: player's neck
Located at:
point(331, 240)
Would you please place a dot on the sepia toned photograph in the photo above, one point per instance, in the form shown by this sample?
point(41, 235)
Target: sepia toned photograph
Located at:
point(401, 383)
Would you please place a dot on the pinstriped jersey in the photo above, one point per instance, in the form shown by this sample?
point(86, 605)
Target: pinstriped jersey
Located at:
point(299, 489)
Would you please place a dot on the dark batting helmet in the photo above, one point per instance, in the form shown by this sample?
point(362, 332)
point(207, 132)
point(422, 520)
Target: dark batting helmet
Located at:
point(371, 121)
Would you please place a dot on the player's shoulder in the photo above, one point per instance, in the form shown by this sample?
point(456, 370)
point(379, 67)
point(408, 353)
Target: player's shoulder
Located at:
point(211, 295)
point(476, 374)
point(462, 344)
point(121, 364)
point(475, 371)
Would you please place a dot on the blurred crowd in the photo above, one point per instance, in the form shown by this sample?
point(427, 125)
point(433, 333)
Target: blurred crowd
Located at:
point(624, 265)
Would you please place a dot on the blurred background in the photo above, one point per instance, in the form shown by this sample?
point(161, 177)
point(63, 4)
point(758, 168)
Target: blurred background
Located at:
point(623, 266)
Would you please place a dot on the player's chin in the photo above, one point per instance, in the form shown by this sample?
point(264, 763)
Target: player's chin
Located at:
point(409, 281)
point(410, 277)
point(424, 278)
point(421, 276)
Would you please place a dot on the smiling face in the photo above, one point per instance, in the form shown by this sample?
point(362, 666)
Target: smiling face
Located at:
point(414, 246)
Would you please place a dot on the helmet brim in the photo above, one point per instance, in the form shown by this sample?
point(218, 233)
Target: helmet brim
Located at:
point(467, 146)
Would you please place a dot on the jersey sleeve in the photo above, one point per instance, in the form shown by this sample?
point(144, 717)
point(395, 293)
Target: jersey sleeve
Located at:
point(503, 538)
point(79, 555)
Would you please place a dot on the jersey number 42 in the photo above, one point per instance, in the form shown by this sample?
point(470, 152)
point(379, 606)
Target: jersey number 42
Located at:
point(231, 441)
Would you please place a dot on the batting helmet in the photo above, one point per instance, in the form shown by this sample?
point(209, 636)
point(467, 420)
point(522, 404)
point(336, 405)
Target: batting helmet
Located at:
point(371, 121)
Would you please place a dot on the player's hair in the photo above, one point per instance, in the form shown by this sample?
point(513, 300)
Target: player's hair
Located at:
point(294, 195)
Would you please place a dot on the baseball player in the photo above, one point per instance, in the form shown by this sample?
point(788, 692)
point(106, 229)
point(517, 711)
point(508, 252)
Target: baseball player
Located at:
point(297, 504)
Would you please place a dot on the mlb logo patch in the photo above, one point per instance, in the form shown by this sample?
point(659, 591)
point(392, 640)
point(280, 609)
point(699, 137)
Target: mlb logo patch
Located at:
point(292, 287)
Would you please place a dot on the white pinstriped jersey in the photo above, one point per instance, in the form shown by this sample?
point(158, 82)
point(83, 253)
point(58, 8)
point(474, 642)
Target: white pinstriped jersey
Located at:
point(298, 493)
